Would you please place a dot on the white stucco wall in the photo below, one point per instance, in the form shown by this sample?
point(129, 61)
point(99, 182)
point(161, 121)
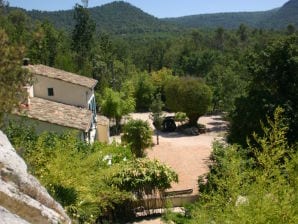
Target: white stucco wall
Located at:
point(64, 92)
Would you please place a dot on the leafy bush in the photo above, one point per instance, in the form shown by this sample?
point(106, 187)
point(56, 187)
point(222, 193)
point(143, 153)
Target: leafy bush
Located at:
point(146, 179)
point(73, 172)
point(180, 117)
point(138, 135)
point(92, 182)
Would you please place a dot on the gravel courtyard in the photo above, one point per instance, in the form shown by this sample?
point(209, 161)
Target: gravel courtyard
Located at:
point(187, 155)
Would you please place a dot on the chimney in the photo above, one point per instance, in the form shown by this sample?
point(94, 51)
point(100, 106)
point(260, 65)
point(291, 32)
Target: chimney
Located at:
point(26, 61)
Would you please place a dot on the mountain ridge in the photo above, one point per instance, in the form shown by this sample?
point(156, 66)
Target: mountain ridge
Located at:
point(117, 17)
point(123, 18)
point(277, 18)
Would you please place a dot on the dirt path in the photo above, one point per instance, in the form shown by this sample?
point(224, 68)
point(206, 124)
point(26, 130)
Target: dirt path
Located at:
point(187, 155)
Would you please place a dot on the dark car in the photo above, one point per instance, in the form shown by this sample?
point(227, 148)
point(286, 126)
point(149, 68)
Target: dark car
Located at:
point(168, 124)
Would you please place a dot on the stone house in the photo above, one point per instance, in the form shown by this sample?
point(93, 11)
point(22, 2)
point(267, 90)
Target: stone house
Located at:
point(60, 101)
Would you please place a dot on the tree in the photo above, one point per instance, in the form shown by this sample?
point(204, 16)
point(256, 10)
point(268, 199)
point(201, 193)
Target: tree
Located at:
point(20, 21)
point(137, 134)
point(12, 77)
point(160, 79)
point(274, 73)
point(144, 92)
point(219, 38)
point(44, 44)
point(226, 86)
point(290, 29)
point(188, 95)
point(242, 33)
point(116, 104)
point(82, 34)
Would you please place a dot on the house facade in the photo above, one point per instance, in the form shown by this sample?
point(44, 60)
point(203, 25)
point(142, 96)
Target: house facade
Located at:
point(59, 101)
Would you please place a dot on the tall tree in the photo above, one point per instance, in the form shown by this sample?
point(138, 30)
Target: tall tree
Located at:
point(219, 38)
point(44, 44)
point(116, 104)
point(82, 35)
point(274, 72)
point(242, 33)
point(12, 76)
point(144, 92)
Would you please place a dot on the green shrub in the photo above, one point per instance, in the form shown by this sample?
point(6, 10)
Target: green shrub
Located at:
point(244, 189)
point(138, 135)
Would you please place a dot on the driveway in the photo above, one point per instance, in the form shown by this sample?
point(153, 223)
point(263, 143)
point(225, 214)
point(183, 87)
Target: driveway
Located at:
point(187, 155)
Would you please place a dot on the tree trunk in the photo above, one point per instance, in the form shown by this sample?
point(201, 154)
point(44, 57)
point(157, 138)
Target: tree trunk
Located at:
point(193, 119)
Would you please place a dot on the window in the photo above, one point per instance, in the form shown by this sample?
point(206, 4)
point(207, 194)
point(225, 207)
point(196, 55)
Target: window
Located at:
point(50, 92)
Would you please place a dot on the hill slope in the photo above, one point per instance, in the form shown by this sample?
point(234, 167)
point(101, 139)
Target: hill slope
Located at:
point(287, 14)
point(276, 18)
point(226, 20)
point(123, 18)
point(116, 17)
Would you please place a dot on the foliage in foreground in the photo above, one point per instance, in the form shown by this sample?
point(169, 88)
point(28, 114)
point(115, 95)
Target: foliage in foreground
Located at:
point(240, 189)
point(90, 181)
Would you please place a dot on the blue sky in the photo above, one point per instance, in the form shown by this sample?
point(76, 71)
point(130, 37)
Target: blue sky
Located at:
point(161, 8)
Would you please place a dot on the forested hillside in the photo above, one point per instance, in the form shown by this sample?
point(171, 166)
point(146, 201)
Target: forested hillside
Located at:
point(226, 20)
point(288, 14)
point(124, 18)
point(276, 18)
point(116, 18)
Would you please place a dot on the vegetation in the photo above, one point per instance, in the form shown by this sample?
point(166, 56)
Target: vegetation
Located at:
point(274, 74)
point(144, 63)
point(116, 17)
point(138, 135)
point(190, 96)
point(123, 18)
point(12, 76)
point(276, 18)
point(244, 189)
point(92, 182)
point(82, 35)
point(115, 104)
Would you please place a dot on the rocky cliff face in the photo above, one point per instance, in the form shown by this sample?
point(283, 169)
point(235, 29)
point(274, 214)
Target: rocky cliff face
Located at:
point(22, 198)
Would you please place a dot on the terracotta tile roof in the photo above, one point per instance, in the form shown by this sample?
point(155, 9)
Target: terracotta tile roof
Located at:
point(57, 113)
point(61, 75)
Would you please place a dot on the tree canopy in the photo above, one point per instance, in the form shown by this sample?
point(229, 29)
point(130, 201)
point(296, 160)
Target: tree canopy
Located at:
point(188, 95)
point(12, 77)
point(274, 73)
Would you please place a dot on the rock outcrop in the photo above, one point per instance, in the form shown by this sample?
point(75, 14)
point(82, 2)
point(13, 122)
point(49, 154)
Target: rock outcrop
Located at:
point(22, 198)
